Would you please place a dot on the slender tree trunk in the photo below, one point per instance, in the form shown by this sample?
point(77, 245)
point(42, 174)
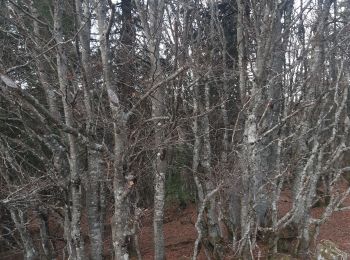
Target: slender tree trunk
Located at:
point(249, 136)
point(94, 208)
point(46, 243)
point(197, 145)
point(224, 112)
point(20, 222)
point(42, 69)
point(120, 227)
point(212, 216)
point(160, 164)
point(69, 248)
point(260, 115)
point(307, 176)
point(75, 182)
point(94, 183)
point(121, 207)
point(153, 31)
point(241, 42)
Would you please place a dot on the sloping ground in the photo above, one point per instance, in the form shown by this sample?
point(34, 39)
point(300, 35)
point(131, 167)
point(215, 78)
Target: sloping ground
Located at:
point(180, 232)
point(336, 228)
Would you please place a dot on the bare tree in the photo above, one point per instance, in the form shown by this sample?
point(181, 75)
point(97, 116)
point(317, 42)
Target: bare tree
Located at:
point(153, 30)
point(98, 97)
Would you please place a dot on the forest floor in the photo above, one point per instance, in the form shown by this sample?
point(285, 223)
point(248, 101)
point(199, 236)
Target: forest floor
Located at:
point(180, 232)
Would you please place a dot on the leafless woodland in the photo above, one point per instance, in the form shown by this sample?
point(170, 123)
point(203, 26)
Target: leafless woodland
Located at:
point(106, 104)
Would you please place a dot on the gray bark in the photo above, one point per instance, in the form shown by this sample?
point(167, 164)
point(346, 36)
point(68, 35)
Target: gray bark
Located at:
point(94, 183)
point(75, 182)
point(197, 145)
point(307, 167)
point(46, 243)
point(42, 73)
point(160, 164)
point(260, 152)
point(247, 159)
point(265, 150)
point(212, 216)
point(69, 247)
point(153, 32)
point(269, 146)
point(95, 208)
point(241, 42)
point(18, 218)
point(199, 221)
point(120, 228)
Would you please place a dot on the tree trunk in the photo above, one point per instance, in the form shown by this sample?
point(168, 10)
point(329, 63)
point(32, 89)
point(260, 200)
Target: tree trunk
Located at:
point(46, 243)
point(94, 208)
point(160, 164)
point(120, 225)
point(153, 31)
point(214, 235)
point(20, 222)
point(306, 178)
point(94, 189)
point(75, 182)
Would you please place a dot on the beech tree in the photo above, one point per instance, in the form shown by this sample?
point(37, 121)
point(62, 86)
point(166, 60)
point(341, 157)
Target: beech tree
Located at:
point(99, 98)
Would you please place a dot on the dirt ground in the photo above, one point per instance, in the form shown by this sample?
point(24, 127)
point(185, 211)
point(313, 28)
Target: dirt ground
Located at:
point(180, 232)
